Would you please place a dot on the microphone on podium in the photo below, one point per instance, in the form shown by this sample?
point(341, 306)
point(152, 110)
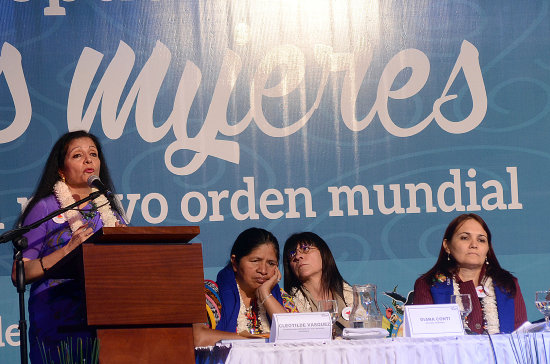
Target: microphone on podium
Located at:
point(94, 181)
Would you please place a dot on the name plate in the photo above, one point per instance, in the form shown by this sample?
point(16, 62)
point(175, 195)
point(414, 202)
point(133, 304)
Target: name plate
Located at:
point(432, 320)
point(308, 326)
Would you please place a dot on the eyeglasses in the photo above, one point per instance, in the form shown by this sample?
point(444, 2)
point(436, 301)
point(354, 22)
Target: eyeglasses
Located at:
point(304, 248)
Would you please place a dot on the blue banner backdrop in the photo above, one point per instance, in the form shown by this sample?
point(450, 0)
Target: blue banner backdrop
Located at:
point(371, 123)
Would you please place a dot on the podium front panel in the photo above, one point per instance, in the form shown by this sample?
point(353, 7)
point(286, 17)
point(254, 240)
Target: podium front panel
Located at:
point(166, 345)
point(144, 284)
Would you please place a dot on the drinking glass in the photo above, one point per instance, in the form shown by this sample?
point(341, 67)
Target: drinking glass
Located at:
point(464, 302)
point(330, 306)
point(542, 301)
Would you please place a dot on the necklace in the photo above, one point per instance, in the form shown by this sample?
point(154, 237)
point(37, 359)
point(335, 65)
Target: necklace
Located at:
point(253, 318)
point(251, 313)
point(73, 217)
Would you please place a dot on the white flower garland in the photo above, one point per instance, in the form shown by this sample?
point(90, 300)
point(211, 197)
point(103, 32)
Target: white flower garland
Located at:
point(242, 320)
point(490, 310)
point(488, 303)
point(65, 198)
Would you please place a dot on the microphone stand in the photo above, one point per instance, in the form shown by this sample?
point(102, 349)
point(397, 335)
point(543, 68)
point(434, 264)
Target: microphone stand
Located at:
point(20, 243)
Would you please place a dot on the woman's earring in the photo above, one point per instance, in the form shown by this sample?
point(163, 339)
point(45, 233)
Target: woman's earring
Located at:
point(449, 256)
point(486, 261)
point(62, 178)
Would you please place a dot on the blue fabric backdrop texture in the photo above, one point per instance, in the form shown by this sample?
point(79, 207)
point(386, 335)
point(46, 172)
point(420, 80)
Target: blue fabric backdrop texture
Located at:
point(371, 123)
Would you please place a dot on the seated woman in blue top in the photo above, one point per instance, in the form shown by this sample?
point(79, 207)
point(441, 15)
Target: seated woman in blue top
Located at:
point(468, 264)
point(248, 290)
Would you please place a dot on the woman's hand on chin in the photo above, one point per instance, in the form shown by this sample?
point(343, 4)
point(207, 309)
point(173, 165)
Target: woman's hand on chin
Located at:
point(265, 289)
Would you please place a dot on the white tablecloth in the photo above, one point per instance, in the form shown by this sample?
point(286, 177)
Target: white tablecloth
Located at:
point(514, 348)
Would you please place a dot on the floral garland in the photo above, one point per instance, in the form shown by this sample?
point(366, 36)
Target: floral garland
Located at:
point(489, 305)
point(65, 198)
point(252, 319)
point(490, 310)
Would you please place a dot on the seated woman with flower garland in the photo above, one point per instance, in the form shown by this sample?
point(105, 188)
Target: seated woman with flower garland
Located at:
point(249, 293)
point(467, 264)
point(57, 306)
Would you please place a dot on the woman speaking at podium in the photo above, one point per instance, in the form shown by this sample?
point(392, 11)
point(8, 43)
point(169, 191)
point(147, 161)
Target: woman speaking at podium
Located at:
point(56, 306)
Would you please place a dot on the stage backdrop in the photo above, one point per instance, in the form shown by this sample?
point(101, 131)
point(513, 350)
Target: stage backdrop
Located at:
point(372, 123)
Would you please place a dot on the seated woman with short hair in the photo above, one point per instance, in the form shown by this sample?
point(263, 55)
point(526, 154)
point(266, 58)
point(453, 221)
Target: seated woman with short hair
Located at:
point(468, 264)
point(248, 290)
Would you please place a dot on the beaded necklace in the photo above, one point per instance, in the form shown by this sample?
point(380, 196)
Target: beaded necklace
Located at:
point(253, 318)
point(252, 314)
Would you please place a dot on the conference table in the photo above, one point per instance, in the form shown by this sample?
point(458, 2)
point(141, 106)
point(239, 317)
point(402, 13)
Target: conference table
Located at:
point(502, 349)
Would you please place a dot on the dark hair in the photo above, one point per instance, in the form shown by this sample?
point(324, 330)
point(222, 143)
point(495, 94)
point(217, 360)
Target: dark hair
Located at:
point(331, 279)
point(500, 276)
point(56, 162)
point(250, 239)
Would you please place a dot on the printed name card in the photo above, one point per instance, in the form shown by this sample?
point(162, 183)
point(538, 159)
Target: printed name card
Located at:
point(432, 320)
point(310, 326)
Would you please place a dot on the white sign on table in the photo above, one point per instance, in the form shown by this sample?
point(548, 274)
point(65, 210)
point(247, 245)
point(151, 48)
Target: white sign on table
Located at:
point(432, 320)
point(308, 326)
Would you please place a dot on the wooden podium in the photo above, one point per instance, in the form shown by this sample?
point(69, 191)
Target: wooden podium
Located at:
point(144, 290)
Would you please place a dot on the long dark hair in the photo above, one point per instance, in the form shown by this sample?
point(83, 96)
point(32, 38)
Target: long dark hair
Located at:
point(331, 279)
point(447, 265)
point(56, 162)
point(250, 239)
